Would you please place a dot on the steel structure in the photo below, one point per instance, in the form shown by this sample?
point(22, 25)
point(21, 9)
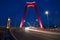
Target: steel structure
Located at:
point(31, 4)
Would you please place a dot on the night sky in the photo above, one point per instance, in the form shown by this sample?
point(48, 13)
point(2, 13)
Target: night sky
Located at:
point(15, 9)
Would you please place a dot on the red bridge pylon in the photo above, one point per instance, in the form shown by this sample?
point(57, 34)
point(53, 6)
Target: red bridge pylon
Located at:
point(31, 4)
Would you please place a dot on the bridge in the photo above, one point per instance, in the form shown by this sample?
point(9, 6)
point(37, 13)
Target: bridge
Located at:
point(31, 32)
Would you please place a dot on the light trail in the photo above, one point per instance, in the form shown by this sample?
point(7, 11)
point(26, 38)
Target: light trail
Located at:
point(27, 29)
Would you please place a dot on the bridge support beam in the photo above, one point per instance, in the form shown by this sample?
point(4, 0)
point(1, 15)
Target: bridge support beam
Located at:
point(29, 4)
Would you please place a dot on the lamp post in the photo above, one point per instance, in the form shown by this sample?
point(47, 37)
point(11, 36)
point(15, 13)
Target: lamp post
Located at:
point(47, 13)
point(37, 21)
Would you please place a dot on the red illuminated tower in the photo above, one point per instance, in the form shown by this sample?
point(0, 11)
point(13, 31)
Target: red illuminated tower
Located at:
point(8, 23)
point(31, 4)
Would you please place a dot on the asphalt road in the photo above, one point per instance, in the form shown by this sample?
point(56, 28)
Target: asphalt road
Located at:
point(5, 34)
point(20, 34)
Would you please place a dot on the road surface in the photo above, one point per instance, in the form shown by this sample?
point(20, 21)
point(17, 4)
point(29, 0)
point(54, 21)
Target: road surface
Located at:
point(20, 34)
point(5, 34)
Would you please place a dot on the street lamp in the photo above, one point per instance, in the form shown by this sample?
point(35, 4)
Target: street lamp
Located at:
point(24, 21)
point(36, 19)
point(47, 13)
point(36, 23)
